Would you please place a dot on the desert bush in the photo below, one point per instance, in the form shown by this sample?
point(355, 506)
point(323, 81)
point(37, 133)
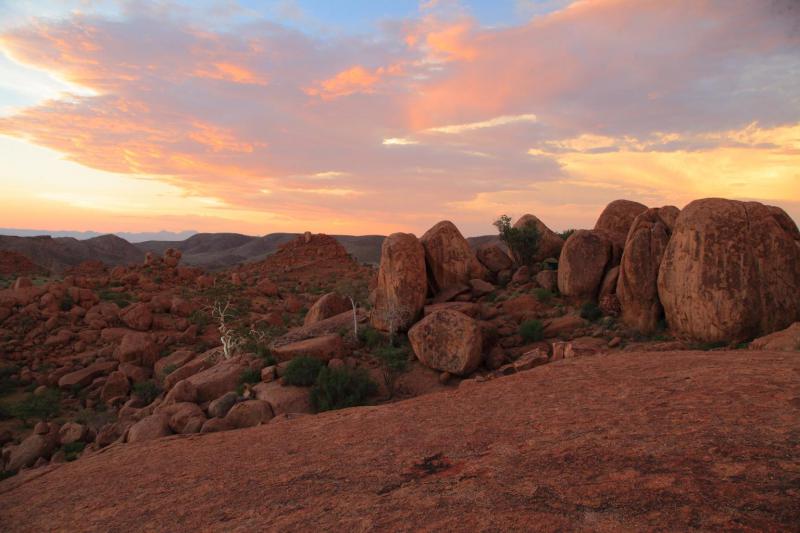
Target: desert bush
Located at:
point(122, 299)
point(531, 330)
point(250, 376)
point(337, 388)
point(372, 338)
point(393, 362)
point(42, 406)
point(590, 311)
point(523, 242)
point(73, 450)
point(147, 391)
point(543, 295)
point(66, 303)
point(5, 474)
point(7, 382)
point(302, 371)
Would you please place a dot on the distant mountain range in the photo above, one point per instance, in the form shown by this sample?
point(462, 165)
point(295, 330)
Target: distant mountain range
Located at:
point(132, 237)
point(212, 251)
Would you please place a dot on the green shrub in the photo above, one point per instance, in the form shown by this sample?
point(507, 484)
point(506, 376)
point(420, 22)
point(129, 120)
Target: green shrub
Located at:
point(250, 376)
point(73, 450)
point(302, 371)
point(393, 361)
point(66, 303)
point(337, 388)
point(5, 474)
point(7, 382)
point(147, 391)
point(38, 406)
point(531, 330)
point(200, 319)
point(122, 299)
point(566, 233)
point(543, 295)
point(523, 242)
point(590, 311)
point(372, 338)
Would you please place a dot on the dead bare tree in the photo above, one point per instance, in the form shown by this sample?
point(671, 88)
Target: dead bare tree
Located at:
point(231, 342)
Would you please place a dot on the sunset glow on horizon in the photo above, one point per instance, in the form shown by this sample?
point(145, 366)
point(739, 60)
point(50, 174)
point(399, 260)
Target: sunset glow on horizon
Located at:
point(289, 115)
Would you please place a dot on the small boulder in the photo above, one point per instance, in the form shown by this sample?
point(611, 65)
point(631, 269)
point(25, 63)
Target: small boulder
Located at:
point(150, 427)
point(72, 432)
point(330, 304)
point(324, 348)
point(284, 399)
point(448, 341)
point(84, 376)
point(582, 265)
point(217, 380)
point(786, 340)
point(115, 386)
point(137, 316)
point(183, 391)
point(214, 425)
point(494, 258)
point(219, 408)
point(249, 413)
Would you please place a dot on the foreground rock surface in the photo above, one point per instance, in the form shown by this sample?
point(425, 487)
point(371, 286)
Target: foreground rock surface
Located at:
point(618, 442)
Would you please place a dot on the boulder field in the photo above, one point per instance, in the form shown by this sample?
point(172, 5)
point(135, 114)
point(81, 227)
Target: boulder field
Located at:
point(627, 442)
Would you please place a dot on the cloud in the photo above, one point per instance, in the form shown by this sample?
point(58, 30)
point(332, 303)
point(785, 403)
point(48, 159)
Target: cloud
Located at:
point(435, 117)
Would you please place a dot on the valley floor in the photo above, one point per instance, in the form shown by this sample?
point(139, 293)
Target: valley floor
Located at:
point(628, 441)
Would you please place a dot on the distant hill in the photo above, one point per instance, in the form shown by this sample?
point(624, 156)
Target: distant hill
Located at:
point(58, 254)
point(221, 250)
point(212, 251)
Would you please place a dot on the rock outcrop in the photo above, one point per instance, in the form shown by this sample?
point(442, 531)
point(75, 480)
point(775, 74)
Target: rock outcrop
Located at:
point(730, 272)
point(402, 283)
point(330, 304)
point(637, 285)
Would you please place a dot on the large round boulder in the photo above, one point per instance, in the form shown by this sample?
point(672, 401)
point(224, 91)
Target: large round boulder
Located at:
point(449, 258)
point(448, 341)
point(582, 266)
point(730, 271)
point(618, 216)
point(550, 243)
point(637, 285)
point(402, 283)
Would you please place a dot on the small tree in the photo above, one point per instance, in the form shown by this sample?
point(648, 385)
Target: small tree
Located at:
point(523, 242)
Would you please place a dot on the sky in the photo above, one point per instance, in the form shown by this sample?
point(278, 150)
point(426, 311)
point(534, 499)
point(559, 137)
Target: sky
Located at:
point(368, 117)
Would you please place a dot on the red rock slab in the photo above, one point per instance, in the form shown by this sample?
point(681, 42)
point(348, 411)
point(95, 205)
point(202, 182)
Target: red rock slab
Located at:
point(673, 441)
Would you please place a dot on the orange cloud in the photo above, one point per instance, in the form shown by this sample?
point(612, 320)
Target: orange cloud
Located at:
point(356, 79)
point(230, 72)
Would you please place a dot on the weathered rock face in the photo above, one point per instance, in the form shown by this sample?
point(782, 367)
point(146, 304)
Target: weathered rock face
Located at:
point(785, 340)
point(449, 258)
point(402, 283)
point(617, 218)
point(449, 341)
point(637, 286)
point(493, 257)
point(550, 243)
point(115, 386)
point(730, 271)
point(583, 262)
point(328, 305)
